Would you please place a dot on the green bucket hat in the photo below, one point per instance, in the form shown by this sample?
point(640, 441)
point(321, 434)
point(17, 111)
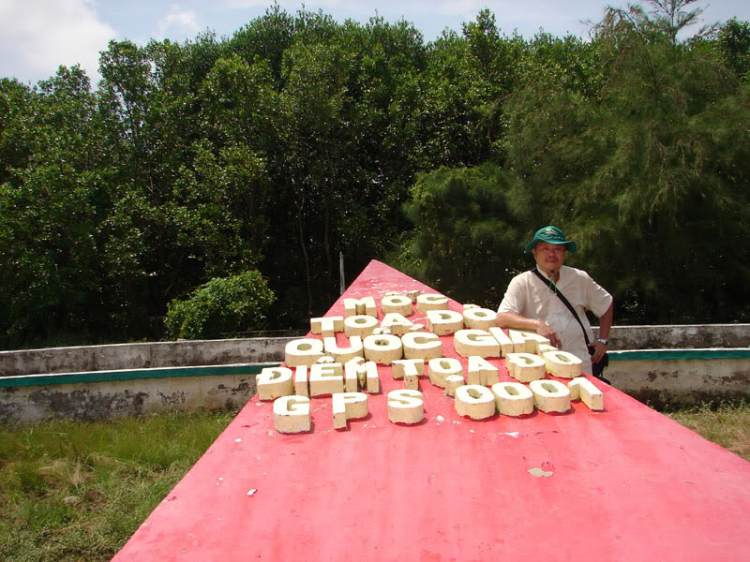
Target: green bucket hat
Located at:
point(551, 235)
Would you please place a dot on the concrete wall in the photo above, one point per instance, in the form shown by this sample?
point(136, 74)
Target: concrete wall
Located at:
point(655, 377)
point(697, 336)
point(141, 356)
point(224, 352)
point(95, 382)
point(681, 377)
point(112, 394)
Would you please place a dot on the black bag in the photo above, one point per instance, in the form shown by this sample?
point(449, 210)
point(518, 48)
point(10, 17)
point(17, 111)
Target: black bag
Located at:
point(596, 368)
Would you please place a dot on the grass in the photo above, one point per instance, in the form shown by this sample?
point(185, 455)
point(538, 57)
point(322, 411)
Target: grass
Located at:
point(77, 491)
point(727, 425)
point(73, 491)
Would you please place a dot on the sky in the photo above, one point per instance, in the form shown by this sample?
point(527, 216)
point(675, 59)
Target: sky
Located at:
point(37, 36)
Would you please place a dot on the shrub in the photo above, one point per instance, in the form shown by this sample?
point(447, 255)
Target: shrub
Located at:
point(222, 307)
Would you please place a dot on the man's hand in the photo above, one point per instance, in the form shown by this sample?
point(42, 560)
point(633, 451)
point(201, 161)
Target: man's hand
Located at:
point(599, 350)
point(544, 329)
point(518, 322)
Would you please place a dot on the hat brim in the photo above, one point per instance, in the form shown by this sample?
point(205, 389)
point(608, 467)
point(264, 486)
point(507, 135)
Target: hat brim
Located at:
point(570, 246)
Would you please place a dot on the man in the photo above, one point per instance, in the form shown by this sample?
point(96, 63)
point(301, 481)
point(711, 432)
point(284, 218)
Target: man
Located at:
point(532, 304)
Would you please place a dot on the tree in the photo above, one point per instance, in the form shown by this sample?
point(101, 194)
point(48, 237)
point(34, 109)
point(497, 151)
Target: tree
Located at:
point(388, 128)
point(466, 240)
point(266, 38)
point(465, 78)
point(221, 308)
point(15, 102)
point(314, 131)
point(734, 42)
point(644, 173)
point(239, 103)
point(299, 137)
point(191, 188)
point(51, 209)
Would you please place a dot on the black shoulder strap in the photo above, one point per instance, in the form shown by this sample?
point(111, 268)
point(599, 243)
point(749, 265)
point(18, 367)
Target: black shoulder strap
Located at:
point(566, 302)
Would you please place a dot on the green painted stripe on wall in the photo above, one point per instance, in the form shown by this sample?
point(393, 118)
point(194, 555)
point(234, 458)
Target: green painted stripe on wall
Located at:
point(255, 368)
point(677, 354)
point(135, 374)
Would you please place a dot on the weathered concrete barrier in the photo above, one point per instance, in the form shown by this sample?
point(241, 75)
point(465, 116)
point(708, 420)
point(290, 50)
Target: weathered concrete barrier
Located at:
point(224, 352)
point(141, 356)
point(109, 394)
point(685, 336)
point(98, 382)
point(680, 365)
point(712, 362)
point(660, 377)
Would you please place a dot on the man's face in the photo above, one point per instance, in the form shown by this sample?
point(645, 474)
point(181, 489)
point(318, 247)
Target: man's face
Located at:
point(549, 257)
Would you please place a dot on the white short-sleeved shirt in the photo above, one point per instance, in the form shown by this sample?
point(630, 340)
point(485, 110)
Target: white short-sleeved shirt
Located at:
point(531, 297)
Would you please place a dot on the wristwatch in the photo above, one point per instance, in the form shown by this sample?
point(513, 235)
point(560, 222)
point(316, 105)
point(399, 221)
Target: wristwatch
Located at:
point(602, 340)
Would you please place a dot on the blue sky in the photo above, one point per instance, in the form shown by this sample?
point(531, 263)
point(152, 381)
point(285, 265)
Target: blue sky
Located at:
point(36, 36)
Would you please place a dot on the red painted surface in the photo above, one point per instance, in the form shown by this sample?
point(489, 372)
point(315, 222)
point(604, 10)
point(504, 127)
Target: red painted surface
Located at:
point(626, 484)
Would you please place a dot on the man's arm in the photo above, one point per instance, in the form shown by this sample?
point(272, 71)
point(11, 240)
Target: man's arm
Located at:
point(513, 320)
point(605, 323)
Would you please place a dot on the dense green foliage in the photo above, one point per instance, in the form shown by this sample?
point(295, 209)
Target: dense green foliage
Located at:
point(467, 238)
point(300, 138)
point(221, 308)
point(642, 158)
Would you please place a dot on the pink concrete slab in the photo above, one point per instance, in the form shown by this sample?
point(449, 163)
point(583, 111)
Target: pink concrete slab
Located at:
point(624, 484)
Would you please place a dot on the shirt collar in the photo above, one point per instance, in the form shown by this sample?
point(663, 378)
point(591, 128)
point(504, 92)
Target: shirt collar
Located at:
point(548, 277)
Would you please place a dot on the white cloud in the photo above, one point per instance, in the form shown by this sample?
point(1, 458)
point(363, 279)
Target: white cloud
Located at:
point(177, 22)
point(37, 36)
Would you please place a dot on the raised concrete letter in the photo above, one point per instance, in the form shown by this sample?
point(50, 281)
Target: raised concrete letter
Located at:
point(480, 318)
point(344, 354)
point(452, 382)
point(506, 344)
point(384, 349)
point(305, 351)
point(513, 398)
point(475, 401)
point(400, 304)
point(584, 389)
point(405, 406)
point(360, 325)
point(396, 323)
point(550, 396)
point(348, 406)
point(422, 345)
point(301, 387)
point(327, 326)
point(326, 379)
point(360, 307)
point(482, 372)
point(525, 367)
point(443, 367)
point(475, 342)
point(291, 414)
point(562, 364)
point(431, 301)
point(528, 341)
point(410, 370)
point(444, 322)
point(273, 382)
